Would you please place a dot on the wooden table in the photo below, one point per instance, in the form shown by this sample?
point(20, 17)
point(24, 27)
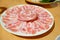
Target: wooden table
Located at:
point(50, 35)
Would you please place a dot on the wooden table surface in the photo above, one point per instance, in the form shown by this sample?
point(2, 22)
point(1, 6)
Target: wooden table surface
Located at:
point(50, 35)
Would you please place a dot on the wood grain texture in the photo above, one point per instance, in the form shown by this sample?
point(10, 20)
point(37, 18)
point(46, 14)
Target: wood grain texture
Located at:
point(4, 35)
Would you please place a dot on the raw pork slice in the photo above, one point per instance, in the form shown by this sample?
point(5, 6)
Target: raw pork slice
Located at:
point(27, 19)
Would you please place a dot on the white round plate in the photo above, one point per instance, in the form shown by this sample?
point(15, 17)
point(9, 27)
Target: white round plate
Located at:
point(22, 34)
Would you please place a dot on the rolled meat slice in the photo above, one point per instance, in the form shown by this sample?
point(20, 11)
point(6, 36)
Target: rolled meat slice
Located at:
point(27, 14)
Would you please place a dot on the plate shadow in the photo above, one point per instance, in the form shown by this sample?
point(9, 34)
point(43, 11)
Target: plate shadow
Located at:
point(2, 9)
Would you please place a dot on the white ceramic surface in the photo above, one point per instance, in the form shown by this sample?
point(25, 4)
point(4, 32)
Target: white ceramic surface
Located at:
point(22, 34)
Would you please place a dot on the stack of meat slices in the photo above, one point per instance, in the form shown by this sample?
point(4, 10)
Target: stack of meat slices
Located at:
point(27, 19)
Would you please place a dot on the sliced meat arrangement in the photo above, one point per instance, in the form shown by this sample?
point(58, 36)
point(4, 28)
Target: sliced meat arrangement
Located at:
point(28, 19)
